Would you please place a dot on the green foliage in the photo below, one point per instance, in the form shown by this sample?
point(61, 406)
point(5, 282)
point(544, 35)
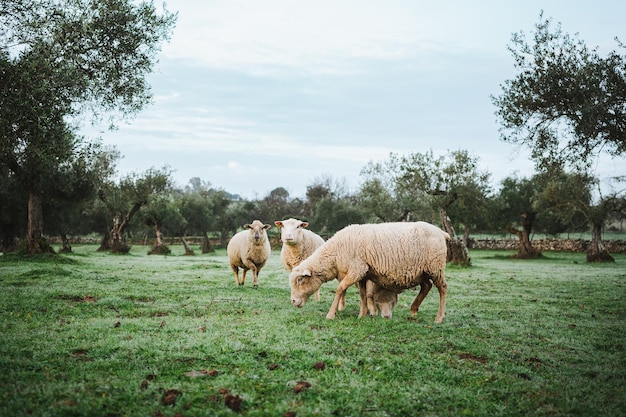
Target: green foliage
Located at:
point(567, 103)
point(96, 335)
point(61, 61)
point(418, 185)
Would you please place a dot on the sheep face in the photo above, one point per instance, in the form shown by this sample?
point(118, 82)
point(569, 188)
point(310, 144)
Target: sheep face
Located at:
point(291, 231)
point(257, 231)
point(303, 283)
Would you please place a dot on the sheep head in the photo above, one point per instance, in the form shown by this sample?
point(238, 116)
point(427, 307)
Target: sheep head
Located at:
point(257, 231)
point(303, 283)
point(291, 230)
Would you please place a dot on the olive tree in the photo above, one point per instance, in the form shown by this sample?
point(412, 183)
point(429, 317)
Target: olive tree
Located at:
point(567, 103)
point(62, 61)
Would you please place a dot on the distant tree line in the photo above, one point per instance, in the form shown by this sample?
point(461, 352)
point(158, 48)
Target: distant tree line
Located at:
point(447, 190)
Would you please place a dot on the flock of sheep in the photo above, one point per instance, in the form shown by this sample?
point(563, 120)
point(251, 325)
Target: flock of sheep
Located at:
point(381, 259)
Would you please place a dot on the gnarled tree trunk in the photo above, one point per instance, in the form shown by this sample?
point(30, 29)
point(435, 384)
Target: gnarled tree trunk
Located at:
point(598, 253)
point(35, 242)
point(159, 247)
point(117, 240)
point(206, 243)
point(188, 250)
point(457, 249)
point(66, 247)
point(526, 250)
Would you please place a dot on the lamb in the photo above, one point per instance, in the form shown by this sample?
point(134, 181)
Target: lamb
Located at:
point(249, 250)
point(395, 256)
point(298, 243)
point(380, 299)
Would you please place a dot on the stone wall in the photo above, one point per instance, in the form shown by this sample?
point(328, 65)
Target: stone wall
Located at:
point(565, 245)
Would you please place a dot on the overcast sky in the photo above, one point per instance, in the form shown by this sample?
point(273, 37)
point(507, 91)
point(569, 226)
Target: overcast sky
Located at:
point(254, 95)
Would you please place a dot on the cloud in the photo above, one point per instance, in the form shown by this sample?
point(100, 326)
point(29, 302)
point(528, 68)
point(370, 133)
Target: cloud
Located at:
point(322, 37)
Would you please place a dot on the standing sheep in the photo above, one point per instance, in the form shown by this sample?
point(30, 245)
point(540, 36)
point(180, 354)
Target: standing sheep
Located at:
point(395, 256)
point(249, 250)
point(298, 243)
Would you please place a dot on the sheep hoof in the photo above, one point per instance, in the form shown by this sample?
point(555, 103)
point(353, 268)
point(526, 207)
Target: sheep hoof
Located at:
point(330, 316)
point(256, 286)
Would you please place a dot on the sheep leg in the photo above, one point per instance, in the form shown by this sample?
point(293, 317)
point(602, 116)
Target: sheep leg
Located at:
point(442, 286)
point(364, 298)
point(255, 274)
point(341, 292)
point(371, 306)
point(250, 265)
point(425, 287)
point(236, 273)
point(243, 277)
point(317, 295)
point(342, 302)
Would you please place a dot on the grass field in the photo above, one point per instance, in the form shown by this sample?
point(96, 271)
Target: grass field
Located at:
point(92, 334)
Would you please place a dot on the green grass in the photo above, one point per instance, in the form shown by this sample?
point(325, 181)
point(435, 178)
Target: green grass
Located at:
point(92, 334)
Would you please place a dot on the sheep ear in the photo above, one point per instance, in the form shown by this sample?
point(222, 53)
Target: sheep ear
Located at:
point(304, 224)
point(247, 226)
point(278, 223)
point(267, 226)
point(306, 273)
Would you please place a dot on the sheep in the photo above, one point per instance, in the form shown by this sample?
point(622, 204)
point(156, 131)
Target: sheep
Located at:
point(380, 299)
point(395, 256)
point(298, 243)
point(249, 250)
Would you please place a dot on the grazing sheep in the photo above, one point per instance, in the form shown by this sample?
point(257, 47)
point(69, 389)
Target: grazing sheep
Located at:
point(298, 243)
point(395, 256)
point(249, 250)
point(380, 299)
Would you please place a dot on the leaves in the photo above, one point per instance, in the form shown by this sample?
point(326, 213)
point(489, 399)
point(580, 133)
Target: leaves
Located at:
point(170, 396)
point(301, 386)
point(567, 103)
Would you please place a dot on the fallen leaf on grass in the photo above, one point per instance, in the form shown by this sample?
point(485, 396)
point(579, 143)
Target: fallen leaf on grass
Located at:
point(144, 385)
point(162, 325)
point(320, 366)
point(473, 357)
point(202, 329)
point(290, 414)
point(273, 366)
point(301, 386)
point(89, 299)
point(117, 324)
point(233, 402)
point(170, 396)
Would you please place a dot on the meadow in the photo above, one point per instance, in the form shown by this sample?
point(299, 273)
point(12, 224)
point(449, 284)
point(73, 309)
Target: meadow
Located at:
point(95, 334)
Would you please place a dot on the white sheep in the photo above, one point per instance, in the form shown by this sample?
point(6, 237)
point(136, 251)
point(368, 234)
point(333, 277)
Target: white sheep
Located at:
point(298, 243)
point(395, 256)
point(249, 250)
